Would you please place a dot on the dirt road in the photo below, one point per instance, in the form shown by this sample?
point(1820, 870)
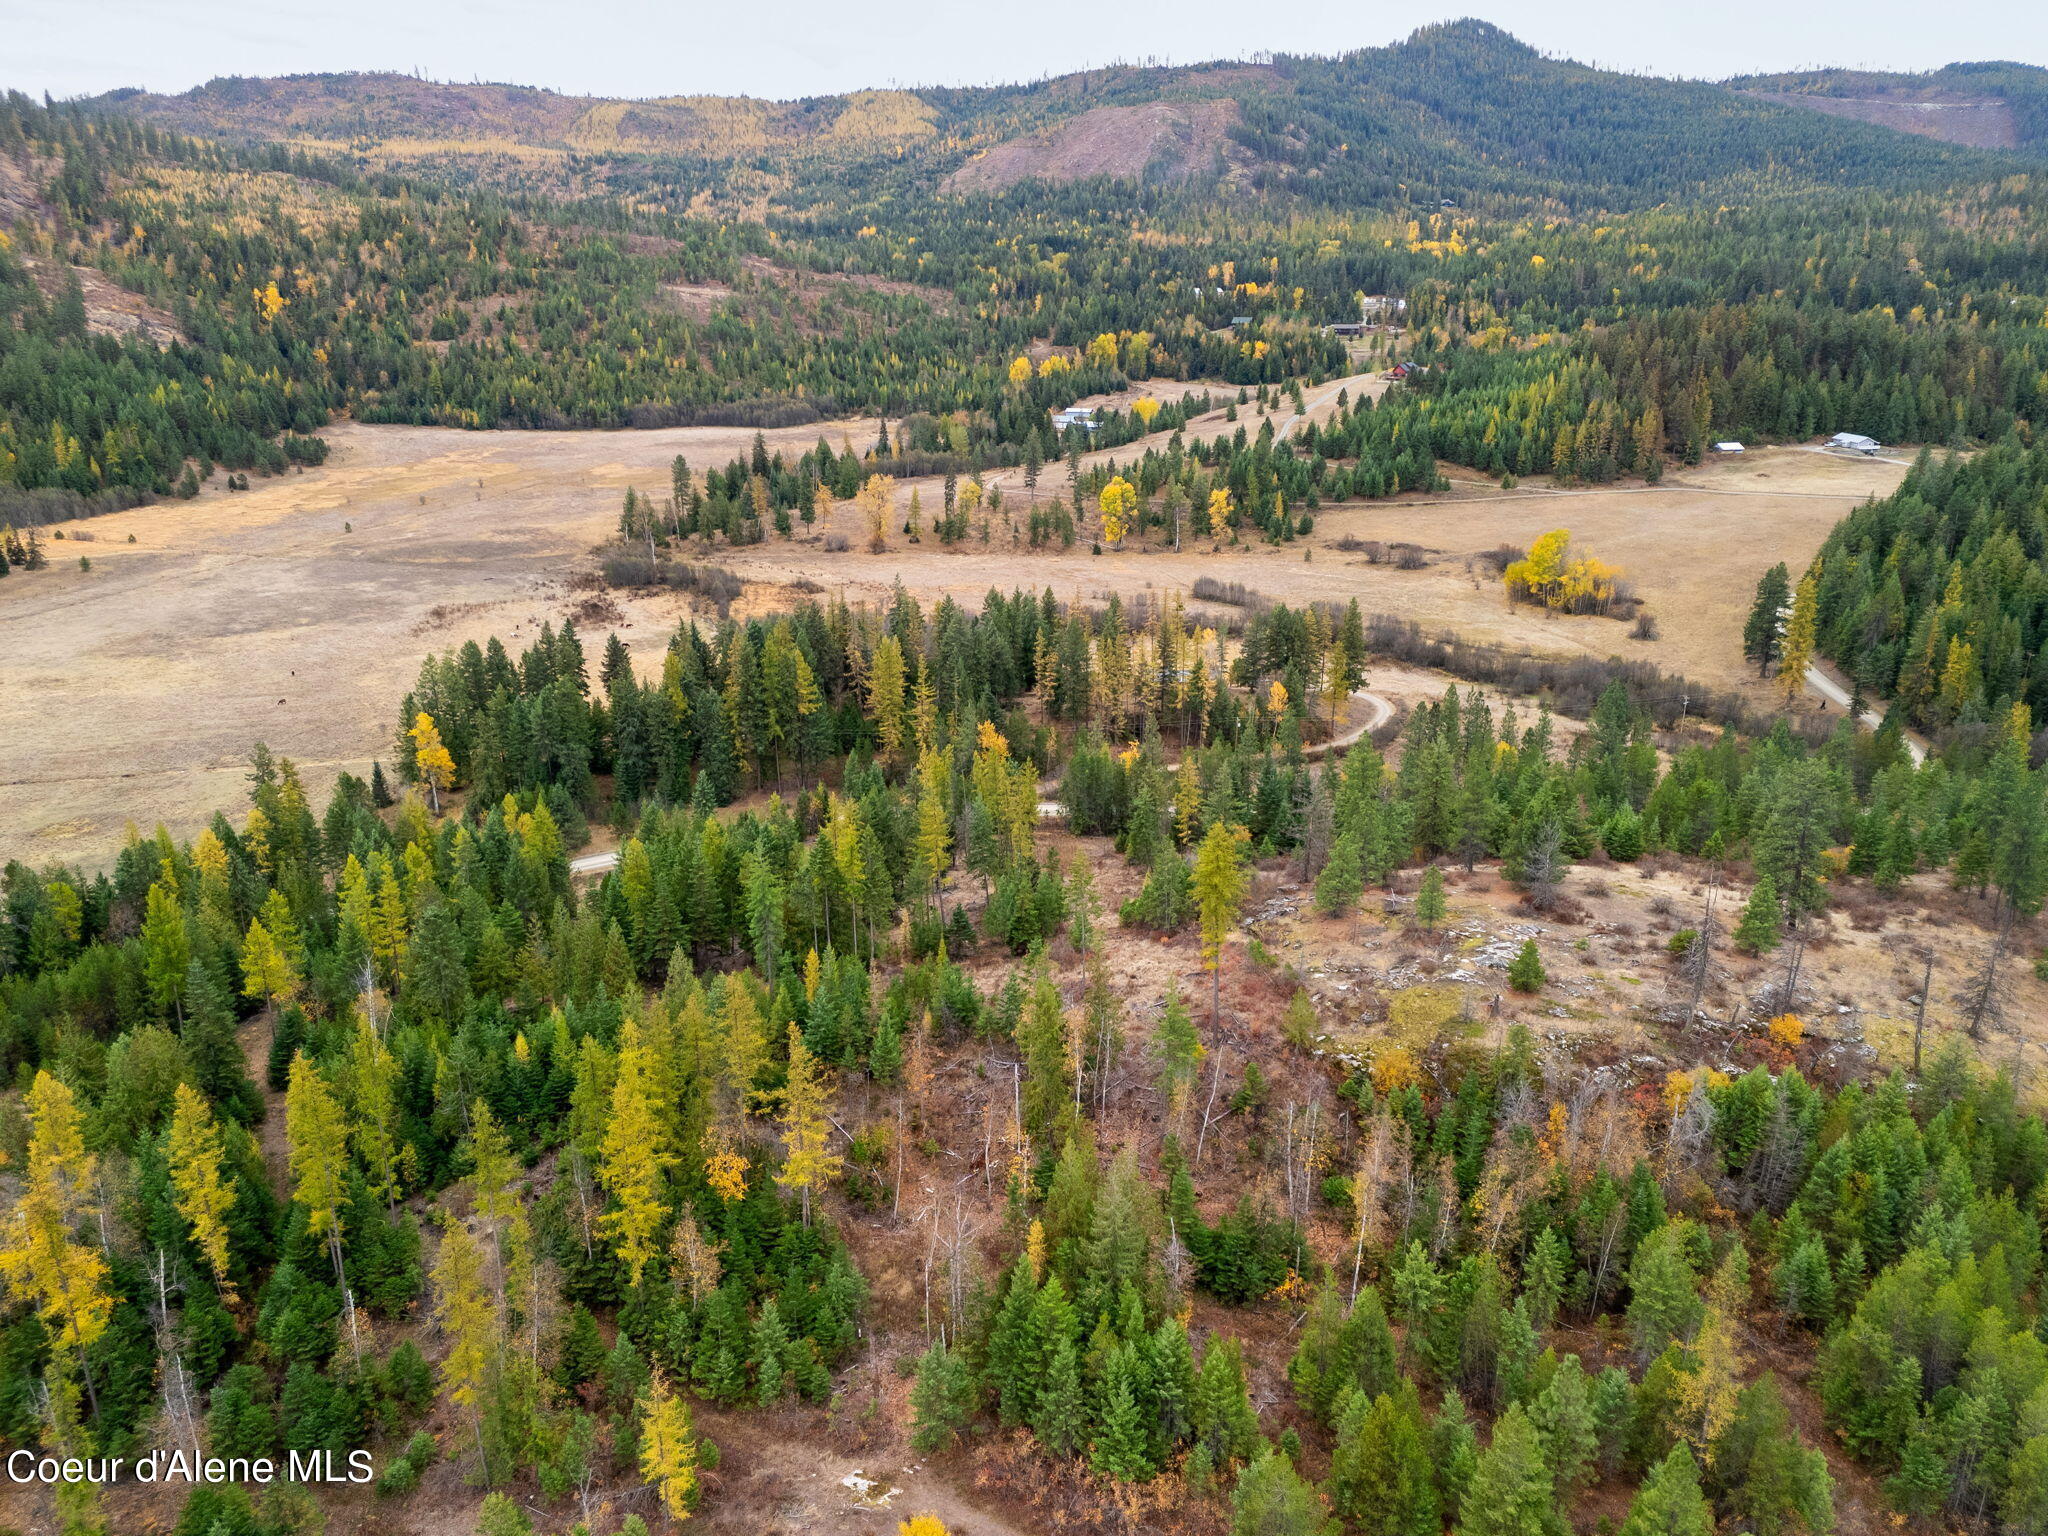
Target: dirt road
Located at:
point(1818, 681)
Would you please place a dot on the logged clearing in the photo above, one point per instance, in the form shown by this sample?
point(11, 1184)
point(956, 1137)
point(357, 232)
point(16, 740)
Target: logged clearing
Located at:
point(297, 612)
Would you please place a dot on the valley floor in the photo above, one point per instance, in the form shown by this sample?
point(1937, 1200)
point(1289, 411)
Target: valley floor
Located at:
point(296, 612)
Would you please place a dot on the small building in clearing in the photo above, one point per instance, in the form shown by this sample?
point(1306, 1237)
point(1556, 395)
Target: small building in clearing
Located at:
point(1074, 416)
point(1729, 448)
point(1854, 442)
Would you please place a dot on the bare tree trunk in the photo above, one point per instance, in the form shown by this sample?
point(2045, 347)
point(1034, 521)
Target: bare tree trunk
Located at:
point(1920, 1013)
point(1215, 1079)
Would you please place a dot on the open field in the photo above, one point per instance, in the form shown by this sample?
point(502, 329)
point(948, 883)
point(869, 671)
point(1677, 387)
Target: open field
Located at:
point(297, 612)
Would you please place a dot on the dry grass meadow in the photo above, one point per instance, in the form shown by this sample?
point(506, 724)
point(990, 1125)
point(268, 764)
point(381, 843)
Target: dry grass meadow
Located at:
point(297, 612)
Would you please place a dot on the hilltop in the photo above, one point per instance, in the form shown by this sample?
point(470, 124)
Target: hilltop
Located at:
point(1460, 112)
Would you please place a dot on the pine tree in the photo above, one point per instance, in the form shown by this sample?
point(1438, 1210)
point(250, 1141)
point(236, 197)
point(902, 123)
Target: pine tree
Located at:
point(1664, 1301)
point(1224, 1417)
point(1763, 919)
point(1511, 1492)
point(1429, 900)
point(942, 1401)
point(1119, 1449)
point(1365, 1351)
point(1059, 1414)
point(1012, 1363)
point(1563, 1416)
point(1525, 971)
point(1380, 1474)
point(1670, 1502)
point(1454, 1453)
point(1272, 1499)
point(1760, 641)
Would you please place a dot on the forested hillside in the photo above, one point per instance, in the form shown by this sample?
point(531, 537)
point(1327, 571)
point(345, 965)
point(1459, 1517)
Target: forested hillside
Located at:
point(557, 1159)
point(1135, 1052)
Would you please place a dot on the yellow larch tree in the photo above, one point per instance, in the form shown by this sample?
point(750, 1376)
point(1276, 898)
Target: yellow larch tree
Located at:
point(633, 1157)
point(373, 1082)
point(877, 495)
point(1707, 1392)
point(807, 1158)
point(38, 1256)
point(1220, 508)
point(201, 1195)
point(668, 1447)
point(267, 971)
point(1220, 885)
point(1796, 652)
point(934, 825)
point(316, 1134)
point(463, 1309)
point(885, 694)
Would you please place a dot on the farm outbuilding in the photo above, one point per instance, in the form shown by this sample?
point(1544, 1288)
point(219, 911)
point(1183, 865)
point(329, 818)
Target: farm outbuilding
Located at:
point(1854, 442)
point(1729, 448)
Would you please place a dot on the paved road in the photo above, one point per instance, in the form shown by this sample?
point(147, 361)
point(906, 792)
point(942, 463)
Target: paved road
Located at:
point(1819, 682)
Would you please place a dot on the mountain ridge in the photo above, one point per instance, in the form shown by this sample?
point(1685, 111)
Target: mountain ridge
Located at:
point(1462, 110)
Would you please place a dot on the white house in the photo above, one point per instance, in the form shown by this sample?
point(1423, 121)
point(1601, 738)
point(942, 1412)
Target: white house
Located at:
point(1728, 448)
point(1855, 442)
point(1074, 416)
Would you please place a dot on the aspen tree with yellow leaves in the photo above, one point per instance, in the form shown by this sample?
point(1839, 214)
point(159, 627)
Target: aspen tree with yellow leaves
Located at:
point(430, 758)
point(1116, 501)
point(201, 1195)
point(877, 495)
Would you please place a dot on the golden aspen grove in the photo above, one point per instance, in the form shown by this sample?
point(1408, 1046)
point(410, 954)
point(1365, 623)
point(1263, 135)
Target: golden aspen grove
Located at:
point(963, 969)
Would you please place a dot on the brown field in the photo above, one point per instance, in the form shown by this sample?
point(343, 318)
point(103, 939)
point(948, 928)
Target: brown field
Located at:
point(297, 613)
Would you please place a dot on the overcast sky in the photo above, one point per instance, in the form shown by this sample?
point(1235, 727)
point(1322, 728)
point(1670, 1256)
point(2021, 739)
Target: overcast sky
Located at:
point(812, 47)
